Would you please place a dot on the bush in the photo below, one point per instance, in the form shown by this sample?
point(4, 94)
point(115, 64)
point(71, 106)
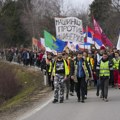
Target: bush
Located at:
point(9, 86)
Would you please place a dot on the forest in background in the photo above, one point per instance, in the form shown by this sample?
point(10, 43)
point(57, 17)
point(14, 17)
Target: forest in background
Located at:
point(20, 20)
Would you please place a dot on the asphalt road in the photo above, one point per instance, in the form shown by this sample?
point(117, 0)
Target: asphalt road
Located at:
point(94, 108)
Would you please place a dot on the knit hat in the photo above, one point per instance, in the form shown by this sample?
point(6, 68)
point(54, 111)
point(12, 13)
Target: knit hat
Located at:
point(102, 48)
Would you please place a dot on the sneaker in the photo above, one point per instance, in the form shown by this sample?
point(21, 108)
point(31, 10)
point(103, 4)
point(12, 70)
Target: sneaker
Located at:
point(83, 101)
point(61, 101)
point(67, 97)
point(55, 101)
point(71, 94)
point(97, 94)
point(106, 100)
point(113, 86)
point(101, 96)
point(85, 97)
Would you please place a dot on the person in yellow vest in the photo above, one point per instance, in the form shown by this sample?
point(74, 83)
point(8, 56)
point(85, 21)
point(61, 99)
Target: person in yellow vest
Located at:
point(87, 59)
point(103, 68)
point(49, 68)
point(60, 71)
point(116, 61)
point(67, 81)
point(90, 59)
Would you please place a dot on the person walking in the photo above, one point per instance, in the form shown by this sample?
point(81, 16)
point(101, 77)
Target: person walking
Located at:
point(104, 75)
point(116, 61)
point(81, 72)
point(60, 71)
point(98, 57)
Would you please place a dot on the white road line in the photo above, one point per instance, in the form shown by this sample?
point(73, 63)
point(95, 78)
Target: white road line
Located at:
point(35, 110)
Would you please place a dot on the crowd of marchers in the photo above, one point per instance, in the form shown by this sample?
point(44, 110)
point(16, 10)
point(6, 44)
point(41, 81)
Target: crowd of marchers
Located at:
point(72, 71)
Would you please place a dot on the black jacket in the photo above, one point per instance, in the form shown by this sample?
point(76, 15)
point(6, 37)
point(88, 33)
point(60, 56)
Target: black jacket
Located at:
point(72, 67)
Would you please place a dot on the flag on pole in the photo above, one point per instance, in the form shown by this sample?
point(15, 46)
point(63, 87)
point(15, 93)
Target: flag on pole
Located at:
point(90, 34)
point(97, 39)
point(99, 31)
point(107, 41)
point(49, 40)
point(97, 27)
point(94, 38)
point(118, 44)
point(53, 43)
point(40, 46)
point(60, 45)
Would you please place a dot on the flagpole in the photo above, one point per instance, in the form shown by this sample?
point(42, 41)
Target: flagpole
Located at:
point(86, 32)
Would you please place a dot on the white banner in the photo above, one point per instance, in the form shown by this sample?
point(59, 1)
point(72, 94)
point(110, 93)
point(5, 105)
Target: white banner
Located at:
point(69, 29)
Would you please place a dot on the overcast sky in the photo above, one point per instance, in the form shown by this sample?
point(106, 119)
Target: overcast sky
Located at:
point(79, 3)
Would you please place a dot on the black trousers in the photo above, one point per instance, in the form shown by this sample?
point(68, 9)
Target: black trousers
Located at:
point(86, 87)
point(72, 85)
point(49, 78)
point(67, 86)
point(111, 82)
point(80, 88)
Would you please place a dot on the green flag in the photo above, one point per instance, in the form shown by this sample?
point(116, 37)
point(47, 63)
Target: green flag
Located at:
point(49, 40)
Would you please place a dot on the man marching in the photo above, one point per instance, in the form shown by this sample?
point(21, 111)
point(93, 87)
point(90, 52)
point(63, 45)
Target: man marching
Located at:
point(60, 71)
point(82, 71)
point(104, 75)
point(116, 61)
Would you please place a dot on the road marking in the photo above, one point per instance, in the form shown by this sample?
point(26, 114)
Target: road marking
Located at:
point(35, 110)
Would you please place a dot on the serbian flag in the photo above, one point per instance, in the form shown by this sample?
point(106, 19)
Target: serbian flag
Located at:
point(97, 27)
point(99, 31)
point(107, 42)
point(97, 39)
point(90, 34)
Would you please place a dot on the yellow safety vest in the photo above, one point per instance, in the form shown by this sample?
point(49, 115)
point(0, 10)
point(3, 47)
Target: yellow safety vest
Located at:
point(66, 69)
point(50, 67)
point(104, 69)
point(68, 61)
point(116, 63)
point(91, 61)
point(85, 70)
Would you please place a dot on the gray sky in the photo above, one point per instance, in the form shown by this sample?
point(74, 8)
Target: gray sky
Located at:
point(78, 3)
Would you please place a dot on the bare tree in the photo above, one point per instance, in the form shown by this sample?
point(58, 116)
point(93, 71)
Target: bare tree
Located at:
point(116, 5)
point(39, 15)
